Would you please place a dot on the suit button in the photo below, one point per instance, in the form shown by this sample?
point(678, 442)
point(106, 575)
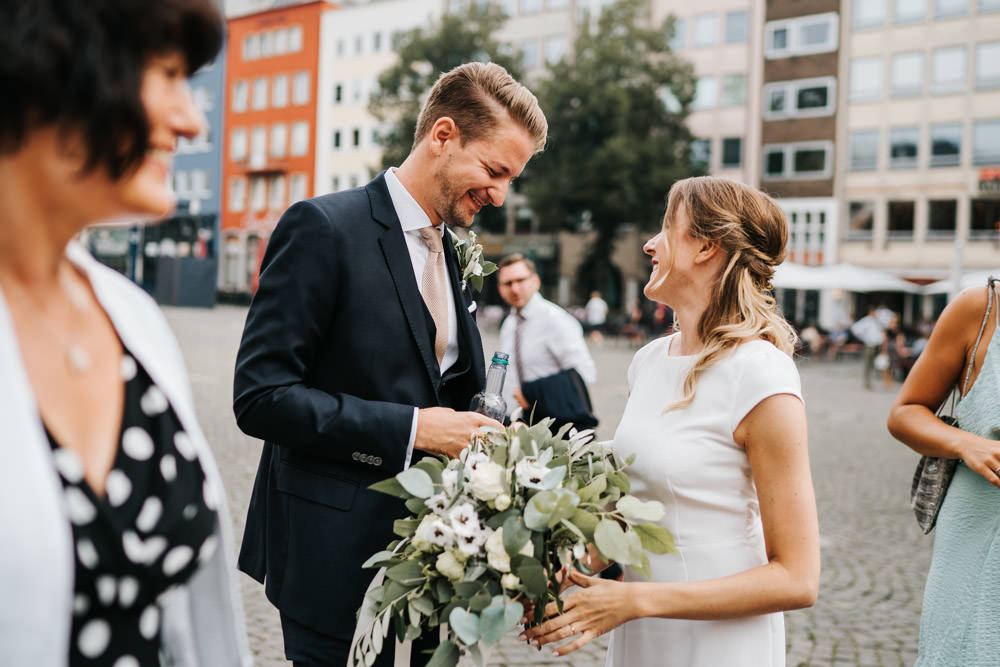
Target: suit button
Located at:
point(377, 461)
point(356, 456)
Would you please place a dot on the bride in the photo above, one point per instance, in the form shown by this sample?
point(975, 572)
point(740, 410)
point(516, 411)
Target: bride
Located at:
point(716, 420)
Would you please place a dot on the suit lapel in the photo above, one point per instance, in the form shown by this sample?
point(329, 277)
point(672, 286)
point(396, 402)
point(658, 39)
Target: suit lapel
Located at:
point(397, 260)
point(470, 349)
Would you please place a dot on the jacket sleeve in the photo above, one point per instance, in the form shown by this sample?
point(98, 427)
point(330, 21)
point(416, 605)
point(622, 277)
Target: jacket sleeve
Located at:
point(287, 324)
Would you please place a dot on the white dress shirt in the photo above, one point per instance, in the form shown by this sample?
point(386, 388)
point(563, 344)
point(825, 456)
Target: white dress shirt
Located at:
point(551, 341)
point(412, 219)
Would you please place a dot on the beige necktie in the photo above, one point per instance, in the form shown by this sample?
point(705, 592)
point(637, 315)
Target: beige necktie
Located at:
point(433, 287)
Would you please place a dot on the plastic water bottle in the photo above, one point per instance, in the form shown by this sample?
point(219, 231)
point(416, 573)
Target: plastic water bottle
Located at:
point(490, 402)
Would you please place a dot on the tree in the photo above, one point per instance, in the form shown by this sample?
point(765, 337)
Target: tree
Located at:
point(617, 135)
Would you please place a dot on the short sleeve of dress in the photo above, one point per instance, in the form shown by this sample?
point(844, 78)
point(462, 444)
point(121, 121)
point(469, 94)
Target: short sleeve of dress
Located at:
point(764, 371)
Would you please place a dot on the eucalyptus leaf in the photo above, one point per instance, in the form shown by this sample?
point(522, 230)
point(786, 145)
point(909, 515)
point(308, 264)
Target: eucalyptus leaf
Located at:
point(655, 539)
point(593, 489)
point(515, 535)
point(642, 567)
point(412, 632)
point(480, 601)
point(554, 477)
point(476, 655)
point(465, 625)
point(610, 540)
point(408, 573)
point(405, 527)
point(492, 624)
point(498, 520)
point(620, 480)
point(390, 487)
point(500, 455)
point(533, 578)
point(416, 482)
point(377, 558)
point(432, 467)
point(377, 632)
point(633, 508)
point(445, 655)
point(416, 505)
point(539, 510)
point(423, 604)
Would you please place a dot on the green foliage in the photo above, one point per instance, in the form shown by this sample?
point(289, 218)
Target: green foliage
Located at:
point(614, 149)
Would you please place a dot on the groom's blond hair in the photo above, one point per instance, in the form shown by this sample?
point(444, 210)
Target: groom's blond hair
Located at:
point(475, 96)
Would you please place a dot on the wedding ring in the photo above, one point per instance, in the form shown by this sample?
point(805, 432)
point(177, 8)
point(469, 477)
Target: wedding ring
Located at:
point(996, 471)
point(572, 629)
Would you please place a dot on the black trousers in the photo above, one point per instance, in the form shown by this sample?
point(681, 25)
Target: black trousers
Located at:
point(306, 647)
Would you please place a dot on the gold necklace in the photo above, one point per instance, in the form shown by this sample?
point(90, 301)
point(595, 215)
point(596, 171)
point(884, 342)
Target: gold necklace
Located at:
point(77, 358)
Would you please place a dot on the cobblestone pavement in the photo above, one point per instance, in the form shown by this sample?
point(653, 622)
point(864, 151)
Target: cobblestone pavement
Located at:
point(874, 557)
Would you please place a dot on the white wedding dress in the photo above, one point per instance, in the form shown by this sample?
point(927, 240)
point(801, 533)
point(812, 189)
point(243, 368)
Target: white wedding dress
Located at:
point(687, 460)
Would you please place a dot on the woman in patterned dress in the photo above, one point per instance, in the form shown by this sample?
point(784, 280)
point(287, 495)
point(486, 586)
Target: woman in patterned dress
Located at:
point(116, 543)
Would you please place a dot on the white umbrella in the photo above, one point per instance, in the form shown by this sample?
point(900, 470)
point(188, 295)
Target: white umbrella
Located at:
point(972, 279)
point(839, 276)
point(790, 275)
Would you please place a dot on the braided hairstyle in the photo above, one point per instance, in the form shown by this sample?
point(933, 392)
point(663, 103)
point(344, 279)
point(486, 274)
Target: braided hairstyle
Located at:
point(752, 232)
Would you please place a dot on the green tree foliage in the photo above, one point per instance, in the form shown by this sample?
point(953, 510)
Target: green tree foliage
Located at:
point(614, 146)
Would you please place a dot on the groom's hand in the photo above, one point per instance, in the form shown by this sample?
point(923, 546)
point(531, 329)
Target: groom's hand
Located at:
point(444, 431)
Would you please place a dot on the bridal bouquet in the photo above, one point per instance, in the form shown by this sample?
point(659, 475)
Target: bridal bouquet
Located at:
point(493, 529)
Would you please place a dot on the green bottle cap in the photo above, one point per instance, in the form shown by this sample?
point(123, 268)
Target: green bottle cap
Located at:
point(501, 358)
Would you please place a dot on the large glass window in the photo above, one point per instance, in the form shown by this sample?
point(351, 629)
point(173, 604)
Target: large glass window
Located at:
point(300, 138)
point(903, 147)
point(237, 194)
point(861, 220)
point(277, 200)
point(907, 74)
point(810, 161)
point(984, 221)
point(900, 222)
point(736, 27)
point(941, 216)
point(279, 91)
point(678, 40)
point(803, 160)
point(279, 139)
point(701, 153)
point(241, 93)
point(732, 152)
point(734, 90)
point(555, 48)
point(258, 145)
point(706, 93)
point(800, 98)
point(864, 150)
point(238, 144)
point(813, 97)
point(300, 88)
point(868, 14)
point(947, 8)
point(988, 65)
point(989, 6)
point(866, 79)
point(948, 70)
point(529, 53)
point(946, 145)
point(531, 6)
point(259, 100)
point(909, 11)
point(774, 162)
point(986, 142)
point(706, 30)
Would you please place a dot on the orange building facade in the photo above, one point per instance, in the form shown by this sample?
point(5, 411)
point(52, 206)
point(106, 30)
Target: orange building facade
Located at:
point(269, 159)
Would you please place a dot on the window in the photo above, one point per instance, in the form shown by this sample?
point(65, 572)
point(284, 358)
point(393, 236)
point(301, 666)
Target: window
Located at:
point(988, 65)
point(706, 30)
point(297, 187)
point(199, 183)
point(531, 6)
point(677, 39)
point(300, 88)
point(556, 4)
point(705, 93)
point(801, 36)
point(802, 98)
point(986, 142)
point(864, 150)
point(238, 144)
point(359, 45)
point(259, 93)
point(861, 220)
point(377, 42)
point(280, 42)
point(251, 47)
point(300, 138)
point(338, 93)
point(946, 145)
point(279, 91)
point(357, 91)
point(277, 189)
point(529, 53)
point(258, 193)
point(237, 194)
point(732, 152)
point(984, 219)
point(258, 145)
point(341, 48)
point(266, 49)
point(335, 184)
point(555, 49)
point(947, 8)
point(903, 147)
point(734, 90)
point(240, 94)
point(181, 185)
point(509, 7)
point(941, 218)
point(866, 79)
point(868, 14)
point(989, 6)
point(948, 70)
point(295, 39)
point(701, 153)
point(900, 224)
point(356, 137)
point(909, 11)
point(736, 27)
point(204, 98)
point(803, 160)
point(279, 139)
point(336, 139)
point(907, 74)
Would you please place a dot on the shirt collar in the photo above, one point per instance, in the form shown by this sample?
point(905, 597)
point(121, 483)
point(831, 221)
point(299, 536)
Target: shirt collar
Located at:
point(411, 215)
point(534, 303)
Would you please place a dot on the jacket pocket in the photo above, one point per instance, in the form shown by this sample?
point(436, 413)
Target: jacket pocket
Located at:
point(323, 489)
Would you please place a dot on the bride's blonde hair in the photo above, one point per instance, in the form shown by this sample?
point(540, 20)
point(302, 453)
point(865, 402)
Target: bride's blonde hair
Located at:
point(752, 232)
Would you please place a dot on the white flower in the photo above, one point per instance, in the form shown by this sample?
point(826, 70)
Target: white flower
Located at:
point(473, 460)
point(528, 549)
point(436, 532)
point(530, 474)
point(438, 503)
point(496, 555)
point(449, 566)
point(464, 519)
point(510, 581)
point(471, 545)
point(488, 480)
point(579, 550)
point(501, 502)
point(421, 536)
point(449, 480)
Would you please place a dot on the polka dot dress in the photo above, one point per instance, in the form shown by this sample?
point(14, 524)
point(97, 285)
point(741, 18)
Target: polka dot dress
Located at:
point(149, 533)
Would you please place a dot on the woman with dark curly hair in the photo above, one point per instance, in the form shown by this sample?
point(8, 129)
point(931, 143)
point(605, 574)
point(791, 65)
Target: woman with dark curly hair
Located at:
point(116, 539)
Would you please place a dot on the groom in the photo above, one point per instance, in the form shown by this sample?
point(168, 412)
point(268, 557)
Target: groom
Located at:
point(360, 354)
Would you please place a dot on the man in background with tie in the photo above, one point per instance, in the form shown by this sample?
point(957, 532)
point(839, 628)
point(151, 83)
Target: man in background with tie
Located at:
point(541, 338)
point(360, 354)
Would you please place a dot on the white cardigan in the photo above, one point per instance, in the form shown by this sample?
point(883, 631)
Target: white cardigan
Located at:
point(203, 620)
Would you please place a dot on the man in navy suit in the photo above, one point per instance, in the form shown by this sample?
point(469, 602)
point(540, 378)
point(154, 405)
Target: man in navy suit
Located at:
point(360, 354)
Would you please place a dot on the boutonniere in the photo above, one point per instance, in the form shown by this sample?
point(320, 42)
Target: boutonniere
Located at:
point(470, 260)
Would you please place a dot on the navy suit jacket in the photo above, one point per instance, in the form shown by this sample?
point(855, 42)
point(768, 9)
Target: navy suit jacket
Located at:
point(337, 350)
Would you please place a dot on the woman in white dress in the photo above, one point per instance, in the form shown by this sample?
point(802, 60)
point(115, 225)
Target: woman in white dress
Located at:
point(716, 420)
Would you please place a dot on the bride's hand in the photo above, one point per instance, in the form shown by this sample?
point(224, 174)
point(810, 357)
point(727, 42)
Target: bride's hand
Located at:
point(599, 606)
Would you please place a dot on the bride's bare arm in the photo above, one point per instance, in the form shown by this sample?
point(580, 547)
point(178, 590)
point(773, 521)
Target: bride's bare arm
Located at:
point(774, 435)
